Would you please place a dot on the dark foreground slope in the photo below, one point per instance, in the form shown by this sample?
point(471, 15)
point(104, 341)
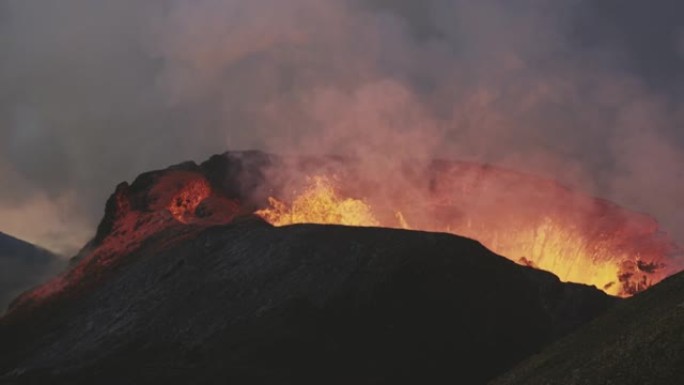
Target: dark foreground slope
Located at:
point(249, 303)
point(639, 341)
point(23, 265)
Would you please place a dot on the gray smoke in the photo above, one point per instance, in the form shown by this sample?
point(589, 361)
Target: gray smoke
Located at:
point(93, 93)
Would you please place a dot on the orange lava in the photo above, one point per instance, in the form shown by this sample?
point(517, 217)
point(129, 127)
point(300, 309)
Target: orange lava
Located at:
point(608, 258)
point(184, 202)
point(319, 203)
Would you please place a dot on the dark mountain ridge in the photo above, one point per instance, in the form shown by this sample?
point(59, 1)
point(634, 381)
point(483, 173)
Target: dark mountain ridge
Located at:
point(251, 303)
point(22, 266)
point(640, 341)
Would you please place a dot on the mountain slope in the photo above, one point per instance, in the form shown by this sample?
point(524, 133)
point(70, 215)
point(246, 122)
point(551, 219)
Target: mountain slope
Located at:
point(639, 341)
point(23, 265)
point(250, 303)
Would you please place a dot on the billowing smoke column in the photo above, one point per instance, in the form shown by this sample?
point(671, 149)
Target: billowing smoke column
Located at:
point(93, 93)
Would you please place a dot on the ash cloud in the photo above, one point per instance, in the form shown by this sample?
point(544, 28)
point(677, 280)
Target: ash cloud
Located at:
point(96, 92)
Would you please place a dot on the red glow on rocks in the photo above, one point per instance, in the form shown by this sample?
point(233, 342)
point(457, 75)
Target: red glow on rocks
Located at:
point(181, 202)
point(180, 193)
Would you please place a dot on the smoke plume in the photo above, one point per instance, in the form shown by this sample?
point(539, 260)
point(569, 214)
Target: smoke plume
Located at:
point(93, 93)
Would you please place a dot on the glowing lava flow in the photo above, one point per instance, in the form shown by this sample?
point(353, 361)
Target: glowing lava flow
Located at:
point(319, 203)
point(558, 245)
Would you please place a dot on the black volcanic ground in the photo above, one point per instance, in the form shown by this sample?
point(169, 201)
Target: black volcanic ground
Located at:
point(23, 265)
point(640, 341)
point(250, 303)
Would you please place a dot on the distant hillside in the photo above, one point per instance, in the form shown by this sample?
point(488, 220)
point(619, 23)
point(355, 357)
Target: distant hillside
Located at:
point(22, 266)
point(639, 341)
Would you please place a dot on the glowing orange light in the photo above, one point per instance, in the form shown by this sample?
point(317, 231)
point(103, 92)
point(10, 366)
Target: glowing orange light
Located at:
point(547, 243)
point(319, 203)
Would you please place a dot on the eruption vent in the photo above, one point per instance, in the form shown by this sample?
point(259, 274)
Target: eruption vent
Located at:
point(617, 254)
point(532, 221)
point(319, 203)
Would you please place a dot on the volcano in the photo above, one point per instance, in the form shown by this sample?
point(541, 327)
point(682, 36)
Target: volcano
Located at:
point(532, 221)
point(206, 273)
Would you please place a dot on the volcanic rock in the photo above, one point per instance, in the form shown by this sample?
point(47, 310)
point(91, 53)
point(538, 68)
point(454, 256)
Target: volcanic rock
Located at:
point(639, 341)
point(248, 303)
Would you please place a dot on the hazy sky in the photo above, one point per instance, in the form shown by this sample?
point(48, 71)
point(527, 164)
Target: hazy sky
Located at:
point(95, 92)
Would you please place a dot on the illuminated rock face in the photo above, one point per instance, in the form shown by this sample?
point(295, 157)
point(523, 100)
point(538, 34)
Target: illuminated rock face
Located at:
point(532, 221)
point(163, 206)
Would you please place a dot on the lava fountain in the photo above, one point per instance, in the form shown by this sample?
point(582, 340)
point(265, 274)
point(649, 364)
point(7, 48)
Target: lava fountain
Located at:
point(530, 220)
point(578, 238)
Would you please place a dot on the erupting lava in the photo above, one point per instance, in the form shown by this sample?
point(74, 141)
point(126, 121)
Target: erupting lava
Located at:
point(576, 252)
point(530, 220)
point(319, 203)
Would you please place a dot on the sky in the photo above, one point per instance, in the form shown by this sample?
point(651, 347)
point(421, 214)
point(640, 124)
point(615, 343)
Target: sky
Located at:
point(92, 93)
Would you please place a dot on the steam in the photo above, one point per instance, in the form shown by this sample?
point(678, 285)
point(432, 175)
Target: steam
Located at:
point(96, 92)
